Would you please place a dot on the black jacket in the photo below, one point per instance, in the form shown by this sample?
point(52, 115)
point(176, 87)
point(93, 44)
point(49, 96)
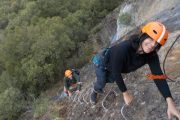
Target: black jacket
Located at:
point(123, 58)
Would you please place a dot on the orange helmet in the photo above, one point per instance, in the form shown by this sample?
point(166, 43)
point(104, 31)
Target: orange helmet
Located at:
point(68, 73)
point(156, 31)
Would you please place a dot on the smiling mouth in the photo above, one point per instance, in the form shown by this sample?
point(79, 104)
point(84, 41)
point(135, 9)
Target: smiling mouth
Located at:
point(149, 49)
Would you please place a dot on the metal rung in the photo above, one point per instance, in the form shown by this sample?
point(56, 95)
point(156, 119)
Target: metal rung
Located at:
point(105, 99)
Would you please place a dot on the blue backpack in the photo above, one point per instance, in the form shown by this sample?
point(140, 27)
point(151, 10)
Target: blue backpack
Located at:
point(101, 59)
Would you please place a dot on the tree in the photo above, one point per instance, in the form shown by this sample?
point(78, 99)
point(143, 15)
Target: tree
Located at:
point(57, 7)
point(11, 104)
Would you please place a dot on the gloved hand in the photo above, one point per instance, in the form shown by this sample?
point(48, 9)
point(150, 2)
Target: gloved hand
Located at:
point(128, 98)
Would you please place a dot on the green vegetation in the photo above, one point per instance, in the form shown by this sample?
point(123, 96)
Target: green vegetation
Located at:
point(39, 39)
point(125, 19)
point(40, 107)
point(11, 104)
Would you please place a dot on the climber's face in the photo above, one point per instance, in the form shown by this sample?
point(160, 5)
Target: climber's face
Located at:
point(70, 76)
point(148, 45)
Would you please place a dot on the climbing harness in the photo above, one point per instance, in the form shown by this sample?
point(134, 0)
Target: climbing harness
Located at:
point(100, 59)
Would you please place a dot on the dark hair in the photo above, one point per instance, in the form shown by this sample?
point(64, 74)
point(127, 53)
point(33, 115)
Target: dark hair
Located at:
point(143, 37)
point(135, 41)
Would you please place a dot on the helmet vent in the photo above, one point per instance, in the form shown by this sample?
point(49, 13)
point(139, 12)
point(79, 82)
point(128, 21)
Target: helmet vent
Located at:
point(154, 31)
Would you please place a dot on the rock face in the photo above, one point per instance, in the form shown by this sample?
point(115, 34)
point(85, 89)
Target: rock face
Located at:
point(148, 103)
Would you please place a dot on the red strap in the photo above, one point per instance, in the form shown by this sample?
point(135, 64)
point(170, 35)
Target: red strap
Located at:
point(156, 77)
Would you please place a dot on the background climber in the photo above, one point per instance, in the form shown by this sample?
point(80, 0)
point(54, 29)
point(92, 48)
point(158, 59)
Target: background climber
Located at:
point(72, 82)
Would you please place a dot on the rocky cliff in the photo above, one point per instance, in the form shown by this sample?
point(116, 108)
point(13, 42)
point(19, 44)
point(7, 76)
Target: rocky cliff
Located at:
point(148, 103)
